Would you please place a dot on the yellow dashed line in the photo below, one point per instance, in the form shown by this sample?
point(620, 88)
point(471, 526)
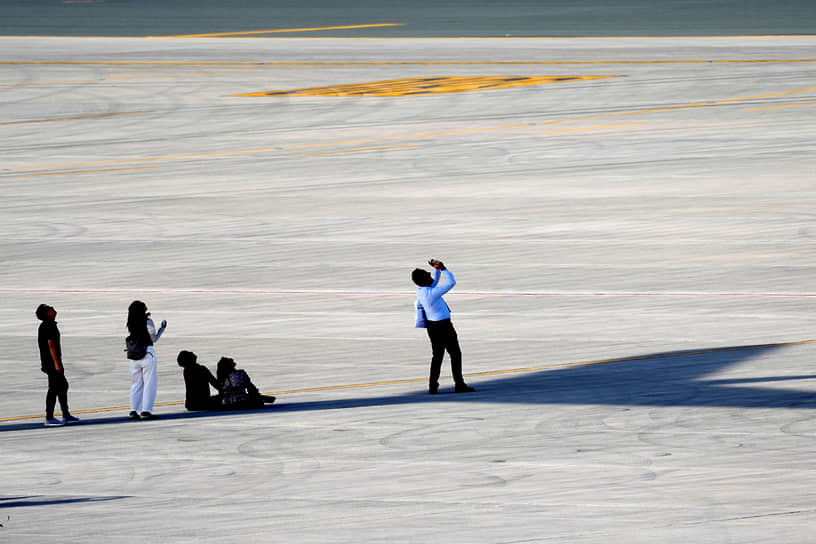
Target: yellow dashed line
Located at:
point(75, 117)
point(138, 71)
point(782, 106)
point(129, 78)
point(180, 75)
point(6, 85)
point(493, 38)
point(408, 137)
point(262, 150)
point(592, 128)
point(87, 171)
point(764, 96)
point(359, 150)
point(489, 373)
point(674, 108)
point(149, 159)
point(275, 31)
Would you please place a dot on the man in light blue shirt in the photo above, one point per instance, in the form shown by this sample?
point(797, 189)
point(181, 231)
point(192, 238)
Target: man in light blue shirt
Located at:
point(433, 312)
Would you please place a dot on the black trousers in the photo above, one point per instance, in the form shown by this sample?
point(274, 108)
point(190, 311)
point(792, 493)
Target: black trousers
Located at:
point(443, 338)
point(57, 389)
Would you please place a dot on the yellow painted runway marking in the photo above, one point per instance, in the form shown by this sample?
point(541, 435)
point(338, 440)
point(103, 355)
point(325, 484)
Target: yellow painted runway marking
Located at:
point(481, 38)
point(674, 108)
point(593, 128)
point(191, 74)
point(87, 171)
point(150, 159)
point(74, 117)
point(409, 136)
point(34, 84)
point(275, 31)
point(769, 95)
point(359, 150)
point(474, 374)
point(416, 86)
point(782, 106)
point(143, 71)
point(624, 114)
point(219, 154)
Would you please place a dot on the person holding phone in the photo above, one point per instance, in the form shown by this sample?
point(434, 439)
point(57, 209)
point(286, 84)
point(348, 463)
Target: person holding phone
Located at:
point(143, 372)
point(437, 321)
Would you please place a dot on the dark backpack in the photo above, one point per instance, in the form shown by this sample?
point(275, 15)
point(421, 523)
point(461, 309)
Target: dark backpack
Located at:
point(134, 349)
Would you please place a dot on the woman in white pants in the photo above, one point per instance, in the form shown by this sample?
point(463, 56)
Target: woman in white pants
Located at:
point(143, 371)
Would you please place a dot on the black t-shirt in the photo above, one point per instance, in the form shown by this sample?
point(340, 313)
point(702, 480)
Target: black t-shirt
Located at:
point(197, 379)
point(48, 331)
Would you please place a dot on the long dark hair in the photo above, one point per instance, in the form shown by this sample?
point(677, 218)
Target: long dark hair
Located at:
point(137, 322)
point(224, 369)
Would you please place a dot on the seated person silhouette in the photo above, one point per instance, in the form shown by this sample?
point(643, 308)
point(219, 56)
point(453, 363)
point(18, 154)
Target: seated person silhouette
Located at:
point(197, 380)
point(237, 390)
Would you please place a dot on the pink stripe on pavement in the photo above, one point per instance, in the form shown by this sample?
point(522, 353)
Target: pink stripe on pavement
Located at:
point(318, 292)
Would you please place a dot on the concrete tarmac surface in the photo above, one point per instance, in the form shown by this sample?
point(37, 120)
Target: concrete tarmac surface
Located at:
point(635, 300)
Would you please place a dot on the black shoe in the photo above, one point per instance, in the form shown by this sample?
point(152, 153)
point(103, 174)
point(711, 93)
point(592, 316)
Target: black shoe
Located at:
point(463, 388)
point(148, 415)
point(134, 416)
point(433, 389)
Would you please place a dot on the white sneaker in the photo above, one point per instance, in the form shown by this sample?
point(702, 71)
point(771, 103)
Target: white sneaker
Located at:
point(53, 422)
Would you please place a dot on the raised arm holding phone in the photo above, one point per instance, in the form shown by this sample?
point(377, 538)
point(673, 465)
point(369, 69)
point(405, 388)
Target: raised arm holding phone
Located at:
point(437, 321)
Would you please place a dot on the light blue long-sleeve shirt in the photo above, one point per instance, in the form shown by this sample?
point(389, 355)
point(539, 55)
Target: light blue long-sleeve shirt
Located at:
point(430, 298)
point(151, 330)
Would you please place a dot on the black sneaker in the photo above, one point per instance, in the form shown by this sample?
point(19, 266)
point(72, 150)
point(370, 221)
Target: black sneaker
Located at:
point(148, 415)
point(433, 389)
point(463, 388)
point(134, 416)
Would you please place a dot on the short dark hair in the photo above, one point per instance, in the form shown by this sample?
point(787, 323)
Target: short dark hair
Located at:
point(186, 358)
point(419, 275)
point(42, 311)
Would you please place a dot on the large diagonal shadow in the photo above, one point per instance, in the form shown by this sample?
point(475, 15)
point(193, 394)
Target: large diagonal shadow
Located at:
point(660, 379)
point(21, 502)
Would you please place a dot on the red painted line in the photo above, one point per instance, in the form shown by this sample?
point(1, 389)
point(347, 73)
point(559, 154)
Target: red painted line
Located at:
point(318, 292)
point(633, 294)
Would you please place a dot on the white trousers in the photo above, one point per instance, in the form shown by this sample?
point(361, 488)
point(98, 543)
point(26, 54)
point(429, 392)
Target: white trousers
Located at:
point(143, 382)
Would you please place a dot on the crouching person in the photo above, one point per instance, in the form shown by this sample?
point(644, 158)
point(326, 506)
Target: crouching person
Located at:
point(237, 390)
point(197, 381)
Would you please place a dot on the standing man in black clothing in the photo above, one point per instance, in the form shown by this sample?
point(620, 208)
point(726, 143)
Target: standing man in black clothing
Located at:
point(48, 339)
